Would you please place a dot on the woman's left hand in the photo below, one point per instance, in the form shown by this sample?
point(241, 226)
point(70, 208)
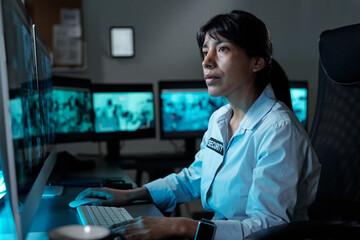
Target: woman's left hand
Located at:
point(155, 228)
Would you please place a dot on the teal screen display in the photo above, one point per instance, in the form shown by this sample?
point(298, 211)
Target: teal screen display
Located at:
point(16, 118)
point(187, 110)
point(7, 225)
point(72, 110)
point(123, 111)
point(299, 101)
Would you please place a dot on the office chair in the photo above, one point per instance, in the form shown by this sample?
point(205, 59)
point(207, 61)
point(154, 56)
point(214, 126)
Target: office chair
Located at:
point(335, 135)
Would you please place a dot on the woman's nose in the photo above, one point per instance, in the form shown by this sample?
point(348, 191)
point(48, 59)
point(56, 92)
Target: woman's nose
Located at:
point(209, 61)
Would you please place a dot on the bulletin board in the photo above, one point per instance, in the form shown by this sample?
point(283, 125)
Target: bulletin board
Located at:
point(60, 22)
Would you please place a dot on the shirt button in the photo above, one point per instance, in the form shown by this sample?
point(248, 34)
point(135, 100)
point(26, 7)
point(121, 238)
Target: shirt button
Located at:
point(241, 131)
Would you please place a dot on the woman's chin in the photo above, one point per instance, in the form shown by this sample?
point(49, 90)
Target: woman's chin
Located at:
point(213, 93)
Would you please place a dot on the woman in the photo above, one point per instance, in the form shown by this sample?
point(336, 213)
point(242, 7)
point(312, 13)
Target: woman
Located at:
point(255, 168)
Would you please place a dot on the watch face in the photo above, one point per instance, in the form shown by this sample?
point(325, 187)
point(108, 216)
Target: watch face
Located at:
point(205, 231)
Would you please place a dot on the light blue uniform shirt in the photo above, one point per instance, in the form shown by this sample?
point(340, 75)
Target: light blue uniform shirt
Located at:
point(266, 175)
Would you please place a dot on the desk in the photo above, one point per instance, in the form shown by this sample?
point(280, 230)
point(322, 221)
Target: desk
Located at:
point(55, 212)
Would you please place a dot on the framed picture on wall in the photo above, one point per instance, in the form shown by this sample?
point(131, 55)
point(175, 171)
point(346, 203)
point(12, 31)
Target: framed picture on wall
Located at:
point(122, 42)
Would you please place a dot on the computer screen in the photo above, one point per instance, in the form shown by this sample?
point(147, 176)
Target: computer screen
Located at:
point(123, 111)
point(185, 108)
point(72, 109)
point(299, 100)
point(29, 149)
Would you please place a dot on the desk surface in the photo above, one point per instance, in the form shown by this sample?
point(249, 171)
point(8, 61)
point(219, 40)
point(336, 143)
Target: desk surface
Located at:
point(54, 212)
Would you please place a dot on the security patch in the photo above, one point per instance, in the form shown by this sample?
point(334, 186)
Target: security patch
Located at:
point(215, 145)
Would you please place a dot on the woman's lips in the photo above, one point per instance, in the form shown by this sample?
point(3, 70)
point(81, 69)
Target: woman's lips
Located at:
point(210, 79)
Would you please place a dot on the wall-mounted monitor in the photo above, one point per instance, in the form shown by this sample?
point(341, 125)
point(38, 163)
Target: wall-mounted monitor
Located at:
point(299, 99)
point(185, 109)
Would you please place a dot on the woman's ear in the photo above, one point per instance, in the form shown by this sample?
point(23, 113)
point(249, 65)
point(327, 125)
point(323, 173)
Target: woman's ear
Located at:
point(259, 63)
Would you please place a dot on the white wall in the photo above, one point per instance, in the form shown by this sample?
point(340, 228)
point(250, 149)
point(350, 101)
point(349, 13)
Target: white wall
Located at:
point(166, 46)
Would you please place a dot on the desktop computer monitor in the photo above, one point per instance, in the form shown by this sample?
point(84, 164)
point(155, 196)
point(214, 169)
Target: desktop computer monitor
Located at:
point(299, 99)
point(121, 112)
point(29, 153)
point(185, 110)
point(72, 109)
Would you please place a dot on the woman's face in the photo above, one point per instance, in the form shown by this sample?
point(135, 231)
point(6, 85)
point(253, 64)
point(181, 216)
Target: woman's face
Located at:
point(228, 71)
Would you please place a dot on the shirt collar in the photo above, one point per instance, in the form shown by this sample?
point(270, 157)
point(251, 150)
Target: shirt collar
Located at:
point(257, 111)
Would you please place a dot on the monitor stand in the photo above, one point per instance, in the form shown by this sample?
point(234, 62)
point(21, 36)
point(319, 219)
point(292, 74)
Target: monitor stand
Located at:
point(67, 162)
point(52, 191)
point(190, 146)
point(113, 150)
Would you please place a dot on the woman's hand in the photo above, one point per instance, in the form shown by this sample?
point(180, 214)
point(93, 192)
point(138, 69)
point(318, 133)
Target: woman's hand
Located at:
point(156, 228)
point(114, 197)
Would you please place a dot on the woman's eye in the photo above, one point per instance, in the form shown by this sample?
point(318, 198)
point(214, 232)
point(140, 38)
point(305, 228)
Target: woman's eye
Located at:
point(223, 49)
point(205, 53)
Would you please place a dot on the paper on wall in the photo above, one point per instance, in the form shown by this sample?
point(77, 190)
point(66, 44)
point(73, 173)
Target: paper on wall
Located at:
point(67, 50)
point(70, 20)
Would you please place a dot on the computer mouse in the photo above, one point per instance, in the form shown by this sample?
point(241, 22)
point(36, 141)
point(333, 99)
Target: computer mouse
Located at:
point(85, 201)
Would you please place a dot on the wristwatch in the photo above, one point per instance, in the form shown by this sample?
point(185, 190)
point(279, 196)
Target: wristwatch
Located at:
point(205, 230)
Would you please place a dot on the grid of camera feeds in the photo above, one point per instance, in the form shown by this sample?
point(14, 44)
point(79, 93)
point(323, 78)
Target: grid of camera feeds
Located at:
point(72, 110)
point(123, 111)
point(187, 110)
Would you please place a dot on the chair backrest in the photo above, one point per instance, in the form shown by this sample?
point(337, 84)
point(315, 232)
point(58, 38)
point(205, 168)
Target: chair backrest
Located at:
point(335, 132)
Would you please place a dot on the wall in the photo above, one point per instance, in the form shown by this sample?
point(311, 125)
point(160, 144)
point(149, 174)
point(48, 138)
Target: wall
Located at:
point(166, 48)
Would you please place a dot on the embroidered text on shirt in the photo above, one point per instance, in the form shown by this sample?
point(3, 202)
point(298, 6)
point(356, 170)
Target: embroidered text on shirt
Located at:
point(215, 145)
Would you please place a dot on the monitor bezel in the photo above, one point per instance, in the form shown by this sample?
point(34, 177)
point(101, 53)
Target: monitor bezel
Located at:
point(178, 84)
point(80, 83)
point(124, 135)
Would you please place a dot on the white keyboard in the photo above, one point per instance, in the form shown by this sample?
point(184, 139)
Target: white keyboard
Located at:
point(102, 216)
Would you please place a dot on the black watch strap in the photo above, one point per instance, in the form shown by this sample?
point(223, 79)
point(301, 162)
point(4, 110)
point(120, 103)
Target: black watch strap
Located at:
point(206, 230)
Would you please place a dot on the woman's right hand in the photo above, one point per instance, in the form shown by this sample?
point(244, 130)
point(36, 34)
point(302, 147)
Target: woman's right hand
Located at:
point(114, 197)
point(107, 196)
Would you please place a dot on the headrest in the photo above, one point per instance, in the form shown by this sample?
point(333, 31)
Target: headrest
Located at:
point(340, 54)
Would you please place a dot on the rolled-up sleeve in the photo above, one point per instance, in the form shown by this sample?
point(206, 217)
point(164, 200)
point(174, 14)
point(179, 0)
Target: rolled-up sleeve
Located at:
point(177, 188)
